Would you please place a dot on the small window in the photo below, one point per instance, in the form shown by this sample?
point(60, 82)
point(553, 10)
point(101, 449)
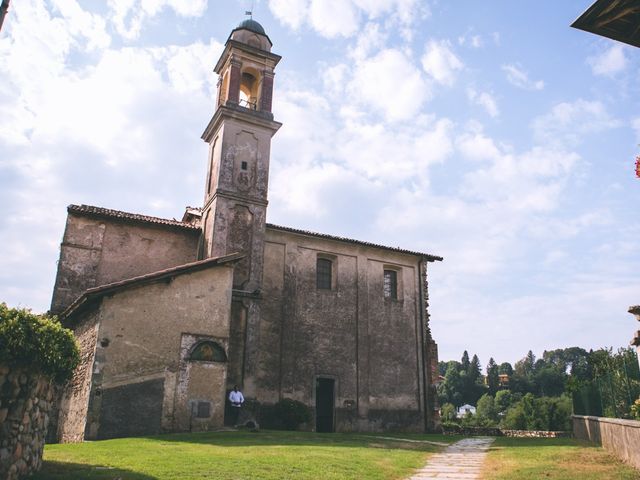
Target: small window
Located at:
point(208, 352)
point(243, 165)
point(391, 284)
point(203, 410)
point(323, 273)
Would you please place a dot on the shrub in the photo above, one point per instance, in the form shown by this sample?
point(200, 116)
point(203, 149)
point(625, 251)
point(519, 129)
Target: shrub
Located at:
point(448, 413)
point(635, 409)
point(37, 341)
point(291, 413)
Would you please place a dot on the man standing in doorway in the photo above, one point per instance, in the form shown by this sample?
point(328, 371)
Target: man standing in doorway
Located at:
point(236, 399)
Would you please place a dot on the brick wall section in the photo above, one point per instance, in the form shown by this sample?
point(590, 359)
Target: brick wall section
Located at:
point(620, 437)
point(25, 402)
point(267, 92)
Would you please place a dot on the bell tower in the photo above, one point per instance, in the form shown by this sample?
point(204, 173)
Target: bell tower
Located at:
point(239, 138)
point(235, 200)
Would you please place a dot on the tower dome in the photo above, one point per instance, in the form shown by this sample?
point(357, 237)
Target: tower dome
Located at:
point(251, 33)
point(251, 25)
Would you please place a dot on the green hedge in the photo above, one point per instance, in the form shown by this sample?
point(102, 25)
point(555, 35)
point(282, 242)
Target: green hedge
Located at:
point(37, 341)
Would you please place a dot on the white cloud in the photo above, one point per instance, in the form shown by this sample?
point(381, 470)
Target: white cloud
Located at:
point(325, 20)
point(128, 16)
point(477, 146)
point(440, 62)
point(485, 100)
point(635, 124)
point(390, 84)
point(292, 13)
point(473, 41)
point(518, 77)
point(370, 39)
point(569, 122)
point(342, 18)
point(610, 62)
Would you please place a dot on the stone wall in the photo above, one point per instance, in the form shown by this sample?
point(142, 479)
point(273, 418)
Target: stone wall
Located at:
point(25, 402)
point(620, 437)
point(499, 432)
point(535, 434)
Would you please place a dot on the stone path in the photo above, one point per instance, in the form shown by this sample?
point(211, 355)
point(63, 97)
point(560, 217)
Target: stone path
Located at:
point(460, 461)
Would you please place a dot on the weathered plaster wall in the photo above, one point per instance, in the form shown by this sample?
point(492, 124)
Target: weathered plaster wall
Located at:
point(370, 346)
point(236, 194)
point(96, 251)
point(620, 437)
point(25, 400)
point(141, 341)
point(74, 400)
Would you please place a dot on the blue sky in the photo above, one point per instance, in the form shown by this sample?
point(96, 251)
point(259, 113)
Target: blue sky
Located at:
point(490, 133)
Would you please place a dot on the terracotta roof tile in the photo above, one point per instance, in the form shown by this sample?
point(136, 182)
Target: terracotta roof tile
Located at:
point(108, 288)
point(428, 256)
point(134, 217)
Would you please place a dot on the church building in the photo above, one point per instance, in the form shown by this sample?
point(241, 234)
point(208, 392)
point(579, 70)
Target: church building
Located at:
point(170, 315)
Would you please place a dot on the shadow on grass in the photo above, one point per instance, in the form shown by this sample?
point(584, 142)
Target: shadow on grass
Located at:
point(288, 438)
point(76, 471)
point(541, 442)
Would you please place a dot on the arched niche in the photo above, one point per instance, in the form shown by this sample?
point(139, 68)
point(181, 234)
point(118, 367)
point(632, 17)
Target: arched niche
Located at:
point(207, 351)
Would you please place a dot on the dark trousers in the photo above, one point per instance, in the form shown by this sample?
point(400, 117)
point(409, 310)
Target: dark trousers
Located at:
point(235, 414)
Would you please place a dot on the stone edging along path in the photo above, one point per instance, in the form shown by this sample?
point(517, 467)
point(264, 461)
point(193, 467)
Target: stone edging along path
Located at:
point(459, 461)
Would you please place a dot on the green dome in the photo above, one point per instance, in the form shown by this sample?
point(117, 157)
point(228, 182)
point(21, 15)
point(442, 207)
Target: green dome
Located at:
point(252, 25)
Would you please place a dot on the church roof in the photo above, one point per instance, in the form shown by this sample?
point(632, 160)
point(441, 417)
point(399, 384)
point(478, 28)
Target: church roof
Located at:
point(134, 217)
point(427, 256)
point(98, 292)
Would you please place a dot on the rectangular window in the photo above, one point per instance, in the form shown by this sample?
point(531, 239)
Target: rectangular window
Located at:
point(203, 410)
point(323, 273)
point(391, 284)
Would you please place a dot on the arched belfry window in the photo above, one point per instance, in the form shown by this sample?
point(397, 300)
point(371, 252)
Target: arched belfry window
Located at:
point(208, 351)
point(249, 86)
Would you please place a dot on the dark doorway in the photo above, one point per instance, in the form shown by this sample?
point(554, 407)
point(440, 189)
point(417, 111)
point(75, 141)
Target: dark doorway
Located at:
point(324, 404)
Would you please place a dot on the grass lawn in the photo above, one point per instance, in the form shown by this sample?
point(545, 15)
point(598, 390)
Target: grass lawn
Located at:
point(554, 459)
point(241, 455)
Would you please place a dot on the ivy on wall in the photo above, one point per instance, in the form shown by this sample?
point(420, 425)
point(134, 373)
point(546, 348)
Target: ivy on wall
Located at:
point(37, 342)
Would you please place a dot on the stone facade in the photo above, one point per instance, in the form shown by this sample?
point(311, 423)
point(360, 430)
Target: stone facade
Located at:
point(137, 338)
point(357, 348)
point(25, 402)
point(101, 247)
point(372, 347)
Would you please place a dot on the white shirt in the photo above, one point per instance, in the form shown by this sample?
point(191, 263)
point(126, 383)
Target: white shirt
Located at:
point(236, 398)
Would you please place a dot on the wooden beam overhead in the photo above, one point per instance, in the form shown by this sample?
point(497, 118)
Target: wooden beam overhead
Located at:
point(615, 19)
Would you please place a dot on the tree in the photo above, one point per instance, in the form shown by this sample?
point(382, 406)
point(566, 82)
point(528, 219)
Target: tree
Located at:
point(475, 371)
point(503, 400)
point(465, 361)
point(493, 380)
point(486, 408)
point(450, 390)
point(505, 369)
